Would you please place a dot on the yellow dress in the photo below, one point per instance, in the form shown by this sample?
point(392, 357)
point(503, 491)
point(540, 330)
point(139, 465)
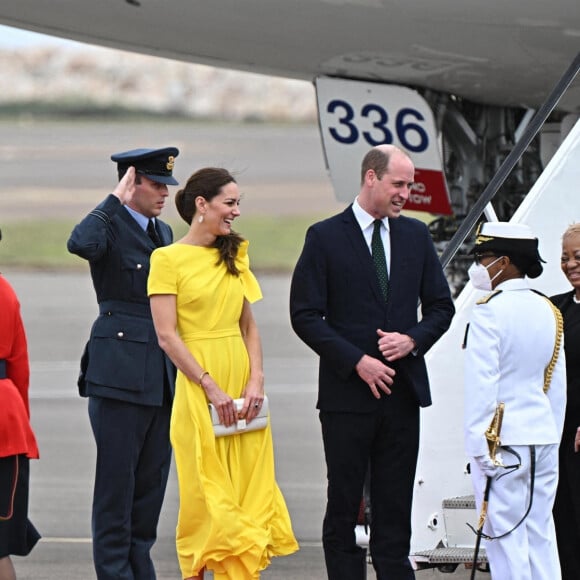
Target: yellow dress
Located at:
point(232, 515)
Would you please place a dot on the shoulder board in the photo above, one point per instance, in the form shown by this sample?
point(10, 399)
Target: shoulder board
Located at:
point(539, 293)
point(488, 297)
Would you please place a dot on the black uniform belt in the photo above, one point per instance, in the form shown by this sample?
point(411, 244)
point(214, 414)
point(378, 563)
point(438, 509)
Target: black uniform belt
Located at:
point(120, 307)
point(2, 369)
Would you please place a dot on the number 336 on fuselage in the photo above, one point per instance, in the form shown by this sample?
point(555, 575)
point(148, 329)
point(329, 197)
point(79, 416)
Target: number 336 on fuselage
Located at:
point(369, 114)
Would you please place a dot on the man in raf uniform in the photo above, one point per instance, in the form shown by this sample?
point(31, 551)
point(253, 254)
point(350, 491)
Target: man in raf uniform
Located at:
point(125, 374)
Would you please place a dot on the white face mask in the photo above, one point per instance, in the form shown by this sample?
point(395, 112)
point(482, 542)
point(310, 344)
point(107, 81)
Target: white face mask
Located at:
point(479, 276)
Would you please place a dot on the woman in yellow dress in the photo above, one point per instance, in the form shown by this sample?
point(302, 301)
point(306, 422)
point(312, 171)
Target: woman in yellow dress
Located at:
point(232, 515)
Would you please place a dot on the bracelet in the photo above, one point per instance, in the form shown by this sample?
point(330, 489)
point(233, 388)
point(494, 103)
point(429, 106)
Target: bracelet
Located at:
point(201, 377)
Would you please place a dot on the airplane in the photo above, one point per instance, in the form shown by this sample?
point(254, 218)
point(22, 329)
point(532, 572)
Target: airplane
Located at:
point(480, 67)
point(457, 83)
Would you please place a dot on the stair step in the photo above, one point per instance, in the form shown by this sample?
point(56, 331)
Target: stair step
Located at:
point(461, 502)
point(450, 556)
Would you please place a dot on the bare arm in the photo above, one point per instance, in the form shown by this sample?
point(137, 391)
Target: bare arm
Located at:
point(164, 311)
point(254, 390)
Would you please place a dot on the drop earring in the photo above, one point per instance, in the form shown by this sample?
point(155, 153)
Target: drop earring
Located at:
point(200, 219)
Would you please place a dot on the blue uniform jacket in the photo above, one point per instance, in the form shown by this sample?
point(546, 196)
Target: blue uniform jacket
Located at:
point(122, 359)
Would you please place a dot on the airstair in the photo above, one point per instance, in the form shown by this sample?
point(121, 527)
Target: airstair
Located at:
point(459, 542)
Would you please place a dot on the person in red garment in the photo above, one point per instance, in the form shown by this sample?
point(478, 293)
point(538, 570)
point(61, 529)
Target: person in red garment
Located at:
point(17, 441)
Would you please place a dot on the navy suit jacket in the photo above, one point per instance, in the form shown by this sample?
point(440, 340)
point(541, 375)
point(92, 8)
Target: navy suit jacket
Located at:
point(336, 306)
point(122, 359)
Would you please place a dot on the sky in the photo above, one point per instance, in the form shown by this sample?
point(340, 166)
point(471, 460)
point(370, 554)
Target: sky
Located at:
point(17, 38)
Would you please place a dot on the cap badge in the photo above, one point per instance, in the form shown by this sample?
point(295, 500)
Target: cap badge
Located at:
point(170, 163)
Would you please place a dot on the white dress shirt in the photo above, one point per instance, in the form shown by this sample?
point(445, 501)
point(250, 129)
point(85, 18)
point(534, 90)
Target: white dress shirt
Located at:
point(366, 223)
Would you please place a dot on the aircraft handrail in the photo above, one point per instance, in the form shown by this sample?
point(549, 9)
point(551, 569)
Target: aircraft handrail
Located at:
point(513, 157)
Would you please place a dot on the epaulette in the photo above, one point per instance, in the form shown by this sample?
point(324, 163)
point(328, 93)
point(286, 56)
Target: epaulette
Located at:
point(488, 297)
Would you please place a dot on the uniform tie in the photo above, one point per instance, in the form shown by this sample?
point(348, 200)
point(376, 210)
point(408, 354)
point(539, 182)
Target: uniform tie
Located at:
point(152, 232)
point(378, 251)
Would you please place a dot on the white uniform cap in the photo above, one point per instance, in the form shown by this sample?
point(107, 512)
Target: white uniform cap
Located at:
point(506, 230)
point(514, 240)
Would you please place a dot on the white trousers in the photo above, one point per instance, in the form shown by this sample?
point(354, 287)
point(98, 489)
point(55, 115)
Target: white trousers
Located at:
point(530, 551)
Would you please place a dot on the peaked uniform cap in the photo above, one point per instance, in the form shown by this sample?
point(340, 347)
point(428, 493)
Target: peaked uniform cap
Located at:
point(514, 240)
point(505, 230)
point(155, 164)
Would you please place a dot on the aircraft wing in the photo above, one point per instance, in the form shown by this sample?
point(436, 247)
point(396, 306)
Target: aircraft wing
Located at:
point(496, 52)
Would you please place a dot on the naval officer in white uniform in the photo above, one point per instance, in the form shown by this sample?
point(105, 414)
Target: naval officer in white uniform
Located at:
point(514, 355)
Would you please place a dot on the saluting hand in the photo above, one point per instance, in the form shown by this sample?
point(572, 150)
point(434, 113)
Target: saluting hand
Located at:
point(126, 187)
point(394, 345)
point(377, 375)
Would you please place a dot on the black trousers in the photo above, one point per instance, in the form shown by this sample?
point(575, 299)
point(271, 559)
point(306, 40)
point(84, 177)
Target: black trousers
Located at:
point(388, 440)
point(567, 508)
point(133, 459)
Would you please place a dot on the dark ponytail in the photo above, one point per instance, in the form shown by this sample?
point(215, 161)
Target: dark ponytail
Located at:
point(227, 247)
point(207, 183)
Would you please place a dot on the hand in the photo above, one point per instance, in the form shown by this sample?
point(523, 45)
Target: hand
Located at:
point(224, 404)
point(486, 465)
point(126, 187)
point(577, 440)
point(394, 345)
point(253, 400)
point(377, 375)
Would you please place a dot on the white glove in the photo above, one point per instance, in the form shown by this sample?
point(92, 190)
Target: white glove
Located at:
point(486, 465)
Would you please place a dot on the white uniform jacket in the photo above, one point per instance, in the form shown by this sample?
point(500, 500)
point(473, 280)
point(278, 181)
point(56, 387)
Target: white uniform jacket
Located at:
point(509, 343)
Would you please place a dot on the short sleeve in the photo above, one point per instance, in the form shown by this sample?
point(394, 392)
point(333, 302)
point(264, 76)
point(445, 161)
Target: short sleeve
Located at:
point(252, 290)
point(162, 274)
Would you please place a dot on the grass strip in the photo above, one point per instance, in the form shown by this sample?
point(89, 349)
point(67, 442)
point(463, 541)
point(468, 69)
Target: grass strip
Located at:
point(275, 242)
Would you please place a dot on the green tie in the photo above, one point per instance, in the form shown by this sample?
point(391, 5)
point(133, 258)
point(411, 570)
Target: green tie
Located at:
point(379, 259)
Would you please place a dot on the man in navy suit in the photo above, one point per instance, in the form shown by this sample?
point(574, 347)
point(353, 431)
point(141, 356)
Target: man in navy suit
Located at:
point(125, 374)
point(371, 344)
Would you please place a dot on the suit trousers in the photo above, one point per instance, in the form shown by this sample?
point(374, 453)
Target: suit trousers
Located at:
point(387, 441)
point(133, 459)
point(529, 552)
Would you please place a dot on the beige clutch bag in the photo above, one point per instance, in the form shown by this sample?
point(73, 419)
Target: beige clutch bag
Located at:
point(241, 426)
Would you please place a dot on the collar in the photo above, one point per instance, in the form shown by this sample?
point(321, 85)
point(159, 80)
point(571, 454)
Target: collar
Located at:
point(514, 284)
point(142, 220)
point(364, 219)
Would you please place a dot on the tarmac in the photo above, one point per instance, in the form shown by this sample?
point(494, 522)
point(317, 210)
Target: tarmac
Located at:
point(58, 171)
point(58, 309)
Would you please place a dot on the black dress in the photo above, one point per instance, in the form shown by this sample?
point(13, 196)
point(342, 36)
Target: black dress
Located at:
point(567, 504)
